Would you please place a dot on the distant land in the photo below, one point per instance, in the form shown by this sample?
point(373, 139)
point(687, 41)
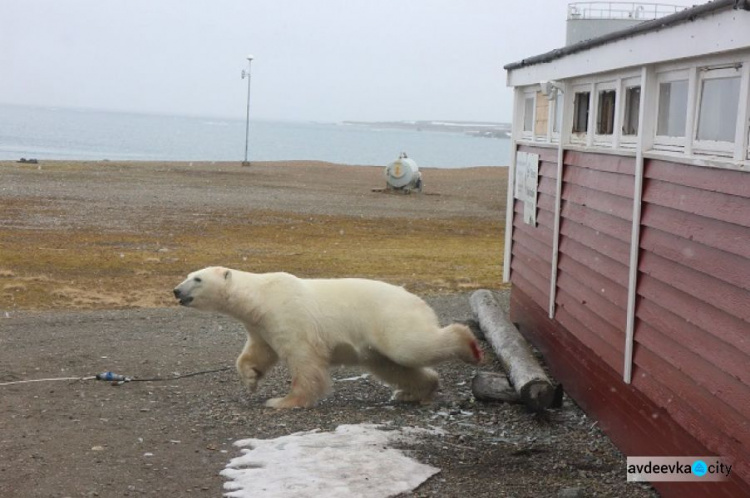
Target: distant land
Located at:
point(475, 128)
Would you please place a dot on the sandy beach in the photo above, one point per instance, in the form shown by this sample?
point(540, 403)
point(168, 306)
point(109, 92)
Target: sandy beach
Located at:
point(89, 253)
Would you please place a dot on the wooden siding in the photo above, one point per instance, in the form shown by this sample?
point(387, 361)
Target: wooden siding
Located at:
point(690, 393)
point(531, 251)
point(692, 334)
point(629, 416)
point(591, 300)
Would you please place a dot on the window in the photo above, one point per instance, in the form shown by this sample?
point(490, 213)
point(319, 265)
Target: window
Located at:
point(684, 108)
point(581, 112)
point(605, 119)
point(528, 114)
point(672, 110)
point(632, 110)
point(717, 112)
point(557, 123)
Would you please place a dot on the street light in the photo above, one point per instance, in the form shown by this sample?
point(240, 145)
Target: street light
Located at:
point(247, 115)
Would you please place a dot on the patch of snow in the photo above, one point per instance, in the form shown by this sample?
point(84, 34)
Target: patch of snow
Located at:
point(354, 460)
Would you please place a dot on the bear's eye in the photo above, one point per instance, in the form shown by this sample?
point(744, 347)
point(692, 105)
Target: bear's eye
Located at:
point(197, 279)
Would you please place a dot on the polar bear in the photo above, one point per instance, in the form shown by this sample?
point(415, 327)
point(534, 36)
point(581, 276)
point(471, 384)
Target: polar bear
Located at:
point(312, 324)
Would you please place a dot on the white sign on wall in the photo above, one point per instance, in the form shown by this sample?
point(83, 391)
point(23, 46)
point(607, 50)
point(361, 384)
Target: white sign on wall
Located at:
point(527, 182)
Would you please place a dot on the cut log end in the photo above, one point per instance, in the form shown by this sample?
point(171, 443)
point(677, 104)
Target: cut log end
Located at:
point(537, 395)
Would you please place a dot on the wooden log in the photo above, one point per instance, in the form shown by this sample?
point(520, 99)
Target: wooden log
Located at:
point(491, 386)
point(524, 371)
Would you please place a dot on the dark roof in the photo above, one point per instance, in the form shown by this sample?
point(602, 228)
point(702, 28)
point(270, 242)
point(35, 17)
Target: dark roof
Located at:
point(663, 22)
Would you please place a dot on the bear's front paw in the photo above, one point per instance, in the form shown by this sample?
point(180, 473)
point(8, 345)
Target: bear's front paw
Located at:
point(285, 402)
point(401, 396)
point(404, 397)
point(250, 377)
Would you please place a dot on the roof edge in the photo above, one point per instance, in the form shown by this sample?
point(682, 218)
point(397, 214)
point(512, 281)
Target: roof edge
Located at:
point(645, 27)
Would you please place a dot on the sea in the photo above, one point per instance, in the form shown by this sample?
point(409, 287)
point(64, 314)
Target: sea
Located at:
point(93, 135)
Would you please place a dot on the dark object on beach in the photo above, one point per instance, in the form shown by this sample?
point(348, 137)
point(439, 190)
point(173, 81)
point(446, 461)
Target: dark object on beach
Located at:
point(28, 161)
point(557, 401)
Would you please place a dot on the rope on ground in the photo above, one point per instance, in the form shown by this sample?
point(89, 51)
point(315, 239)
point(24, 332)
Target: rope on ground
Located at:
point(44, 380)
point(181, 376)
point(116, 379)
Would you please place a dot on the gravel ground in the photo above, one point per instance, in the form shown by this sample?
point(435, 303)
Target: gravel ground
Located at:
point(171, 438)
point(116, 195)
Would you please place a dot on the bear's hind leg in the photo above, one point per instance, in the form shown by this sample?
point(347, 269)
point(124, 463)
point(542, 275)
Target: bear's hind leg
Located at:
point(310, 382)
point(412, 384)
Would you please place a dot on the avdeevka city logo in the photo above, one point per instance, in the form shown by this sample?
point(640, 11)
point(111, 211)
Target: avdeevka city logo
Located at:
point(685, 469)
point(699, 468)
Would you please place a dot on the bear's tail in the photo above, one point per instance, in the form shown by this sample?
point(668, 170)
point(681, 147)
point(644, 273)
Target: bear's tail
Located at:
point(465, 345)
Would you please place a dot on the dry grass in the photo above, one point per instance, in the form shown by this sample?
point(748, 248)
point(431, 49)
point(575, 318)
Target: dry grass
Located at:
point(122, 235)
point(44, 269)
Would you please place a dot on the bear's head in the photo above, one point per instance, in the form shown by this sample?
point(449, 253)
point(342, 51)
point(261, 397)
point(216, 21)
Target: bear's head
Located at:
point(205, 289)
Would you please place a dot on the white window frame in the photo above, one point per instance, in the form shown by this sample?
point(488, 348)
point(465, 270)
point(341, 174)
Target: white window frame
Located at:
point(556, 102)
point(580, 138)
point(742, 140)
point(525, 95)
point(665, 142)
point(719, 154)
point(606, 86)
point(713, 147)
point(627, 141)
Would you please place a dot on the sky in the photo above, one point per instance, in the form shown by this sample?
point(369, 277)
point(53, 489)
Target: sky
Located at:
point(314, 60)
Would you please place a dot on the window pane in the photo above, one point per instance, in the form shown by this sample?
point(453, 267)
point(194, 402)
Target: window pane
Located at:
point(581, 112)
point(528, 114)
point(605, 121)
point(672, 108)
point(558, 113)
point(717, 119)
point(632, 110)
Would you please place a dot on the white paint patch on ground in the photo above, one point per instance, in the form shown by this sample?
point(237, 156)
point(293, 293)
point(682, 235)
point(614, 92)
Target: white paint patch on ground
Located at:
point(355, 460)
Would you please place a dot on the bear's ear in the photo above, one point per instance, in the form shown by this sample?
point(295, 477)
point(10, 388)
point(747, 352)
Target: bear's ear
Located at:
point(227, 274)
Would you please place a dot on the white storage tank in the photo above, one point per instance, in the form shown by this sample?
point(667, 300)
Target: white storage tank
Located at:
point(403, 174)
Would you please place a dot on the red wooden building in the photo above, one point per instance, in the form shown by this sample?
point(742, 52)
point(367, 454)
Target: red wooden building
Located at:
point(629, 248)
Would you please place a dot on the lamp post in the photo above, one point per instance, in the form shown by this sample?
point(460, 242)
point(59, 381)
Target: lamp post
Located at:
point(247, 115)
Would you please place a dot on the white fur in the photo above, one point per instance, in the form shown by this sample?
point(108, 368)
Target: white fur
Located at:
point(313, 324)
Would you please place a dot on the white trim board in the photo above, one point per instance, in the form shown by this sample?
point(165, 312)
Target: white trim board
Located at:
point(720, 32)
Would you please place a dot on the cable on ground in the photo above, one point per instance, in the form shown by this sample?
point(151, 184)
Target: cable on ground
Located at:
point(116, 379)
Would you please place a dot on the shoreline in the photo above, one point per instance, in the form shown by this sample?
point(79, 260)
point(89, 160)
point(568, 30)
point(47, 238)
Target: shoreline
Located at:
point(94, 136)
point(36, 161)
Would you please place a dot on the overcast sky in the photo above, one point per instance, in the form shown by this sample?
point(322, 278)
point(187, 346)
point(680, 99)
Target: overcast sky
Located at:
point(319, 60)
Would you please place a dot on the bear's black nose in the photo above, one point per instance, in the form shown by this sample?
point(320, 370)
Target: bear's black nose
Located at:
point(177, 293)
